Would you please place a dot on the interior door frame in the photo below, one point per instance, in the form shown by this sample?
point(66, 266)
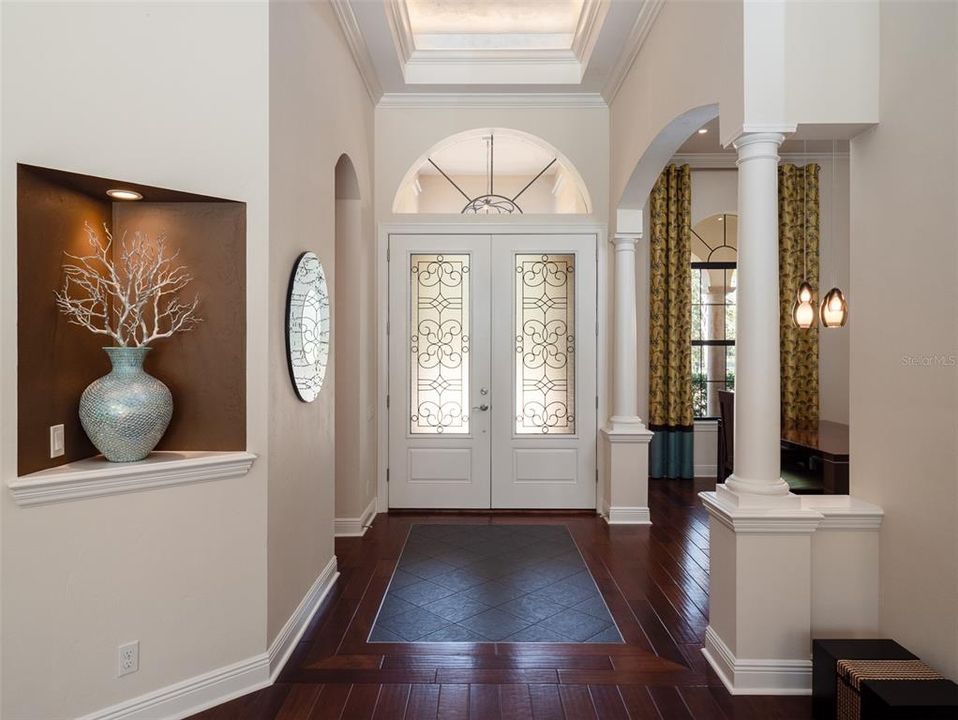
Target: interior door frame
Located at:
point(491, 225)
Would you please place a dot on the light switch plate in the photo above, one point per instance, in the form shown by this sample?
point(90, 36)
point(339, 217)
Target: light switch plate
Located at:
point(56, 441)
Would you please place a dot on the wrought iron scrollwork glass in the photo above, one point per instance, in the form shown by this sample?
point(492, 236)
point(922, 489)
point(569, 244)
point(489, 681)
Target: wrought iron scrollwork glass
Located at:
point(307, 326)
point(545, 344)
point(491, 205)
point(439, 344)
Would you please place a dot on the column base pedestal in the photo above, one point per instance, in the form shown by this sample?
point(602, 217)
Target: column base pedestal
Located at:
point(782, 571)
point(746, 493)
point(625, 482)
point(756, 677)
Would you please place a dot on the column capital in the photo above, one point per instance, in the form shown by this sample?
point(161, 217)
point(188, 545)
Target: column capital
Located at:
point(626, 241)
point(758, 145)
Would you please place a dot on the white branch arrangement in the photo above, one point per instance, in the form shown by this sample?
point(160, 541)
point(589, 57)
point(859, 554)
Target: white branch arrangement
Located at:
point(133, 298)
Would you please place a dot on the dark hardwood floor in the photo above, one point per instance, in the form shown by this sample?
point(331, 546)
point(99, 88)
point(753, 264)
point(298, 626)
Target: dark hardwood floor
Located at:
point(654, 580)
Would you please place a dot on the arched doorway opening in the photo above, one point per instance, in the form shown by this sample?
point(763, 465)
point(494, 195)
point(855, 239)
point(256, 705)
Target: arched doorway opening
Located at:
point(353, 334)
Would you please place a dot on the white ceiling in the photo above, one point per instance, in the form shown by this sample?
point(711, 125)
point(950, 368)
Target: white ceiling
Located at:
point(580, 48)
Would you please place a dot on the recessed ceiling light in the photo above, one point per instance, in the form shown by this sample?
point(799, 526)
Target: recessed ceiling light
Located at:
point(702, 131)
point(721, 218)
point(121, 194)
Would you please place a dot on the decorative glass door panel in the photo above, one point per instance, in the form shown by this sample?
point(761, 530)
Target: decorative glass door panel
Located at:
point(545, 344)
point(439, 344)
point(492, 358)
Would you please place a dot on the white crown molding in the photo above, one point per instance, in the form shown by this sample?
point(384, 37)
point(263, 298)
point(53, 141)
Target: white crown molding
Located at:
point(397, 15)
point(285, 641)
point(355, 527)
point(628, 516)
point(588, 28)
point(358, 48)
point(94, 477)
point(640, 31)
point(756, 677)
point(492, 100)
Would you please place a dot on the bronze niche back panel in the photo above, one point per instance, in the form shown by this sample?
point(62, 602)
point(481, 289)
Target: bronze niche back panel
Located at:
point(205, 368)
point(55, 360)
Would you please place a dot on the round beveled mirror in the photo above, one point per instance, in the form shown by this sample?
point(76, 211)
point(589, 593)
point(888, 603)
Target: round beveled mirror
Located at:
point(307, 326)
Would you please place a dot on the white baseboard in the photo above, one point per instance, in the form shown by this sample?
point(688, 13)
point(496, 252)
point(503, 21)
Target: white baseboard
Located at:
point(756, 677)
point(628, 516)
point(355, 527)
point(705, 471)
point(223, 684)
point(192, 695)
point(285, 641)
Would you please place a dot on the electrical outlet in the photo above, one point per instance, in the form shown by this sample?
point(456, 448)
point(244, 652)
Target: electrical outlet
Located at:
point(128, 658)
point(56, 441)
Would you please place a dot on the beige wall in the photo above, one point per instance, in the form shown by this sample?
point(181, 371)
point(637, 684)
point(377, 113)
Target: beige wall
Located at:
point(903, 320)
point(203, 575)
point(691, 58)
point(308, 133)
point(181, 569)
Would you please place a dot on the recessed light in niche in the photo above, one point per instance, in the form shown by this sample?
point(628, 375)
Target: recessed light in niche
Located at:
point(122, 194)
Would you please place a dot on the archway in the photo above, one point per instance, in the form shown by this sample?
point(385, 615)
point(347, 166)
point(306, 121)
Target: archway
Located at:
point(353, 335)
point(492, 171)
point(654, 159)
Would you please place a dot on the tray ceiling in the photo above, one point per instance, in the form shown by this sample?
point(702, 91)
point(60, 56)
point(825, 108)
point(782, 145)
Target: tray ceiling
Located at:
point(569, 47)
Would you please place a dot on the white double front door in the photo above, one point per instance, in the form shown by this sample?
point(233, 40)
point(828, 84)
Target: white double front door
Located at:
point(492, 371)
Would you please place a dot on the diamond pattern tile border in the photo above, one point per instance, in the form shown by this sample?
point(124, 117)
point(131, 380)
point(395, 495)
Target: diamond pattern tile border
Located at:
point(492, 583)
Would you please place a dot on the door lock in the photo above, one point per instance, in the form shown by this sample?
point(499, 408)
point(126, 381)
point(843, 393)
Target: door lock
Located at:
point(482, 407)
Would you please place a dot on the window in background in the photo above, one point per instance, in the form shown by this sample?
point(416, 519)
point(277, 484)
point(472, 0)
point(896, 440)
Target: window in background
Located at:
point(713, 268)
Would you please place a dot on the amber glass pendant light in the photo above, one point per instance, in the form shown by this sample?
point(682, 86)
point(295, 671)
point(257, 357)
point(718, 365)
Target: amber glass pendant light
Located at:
point(803, 312)
point(834, 308)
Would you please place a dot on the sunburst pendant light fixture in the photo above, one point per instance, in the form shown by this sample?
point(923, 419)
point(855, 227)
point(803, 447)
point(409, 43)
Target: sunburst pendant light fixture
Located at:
point(803, 312)
point(834, 308)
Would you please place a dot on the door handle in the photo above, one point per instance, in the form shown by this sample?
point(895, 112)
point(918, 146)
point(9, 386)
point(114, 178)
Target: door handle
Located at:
point(482, 407)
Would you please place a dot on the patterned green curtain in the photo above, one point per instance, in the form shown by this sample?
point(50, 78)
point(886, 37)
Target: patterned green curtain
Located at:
point(670, 325)
point(798, 233)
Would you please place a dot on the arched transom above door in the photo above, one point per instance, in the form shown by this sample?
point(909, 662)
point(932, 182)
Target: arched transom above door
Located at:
point(492, 171)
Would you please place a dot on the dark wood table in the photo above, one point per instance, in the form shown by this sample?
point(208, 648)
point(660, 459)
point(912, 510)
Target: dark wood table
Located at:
point(830, 444)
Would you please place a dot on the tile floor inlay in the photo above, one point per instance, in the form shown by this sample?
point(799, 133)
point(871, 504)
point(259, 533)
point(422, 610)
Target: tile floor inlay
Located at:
point(492, 583)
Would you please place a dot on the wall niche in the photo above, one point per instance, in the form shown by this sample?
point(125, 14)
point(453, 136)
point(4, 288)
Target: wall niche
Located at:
point(204, 368)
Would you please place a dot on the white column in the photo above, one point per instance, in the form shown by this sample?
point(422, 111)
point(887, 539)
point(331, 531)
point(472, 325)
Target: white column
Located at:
point(625, 447)
point(756, 479)
point(625, 399)
point(774, 582)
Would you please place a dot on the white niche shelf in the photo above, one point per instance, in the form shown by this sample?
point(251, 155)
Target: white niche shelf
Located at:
point(96, 476)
